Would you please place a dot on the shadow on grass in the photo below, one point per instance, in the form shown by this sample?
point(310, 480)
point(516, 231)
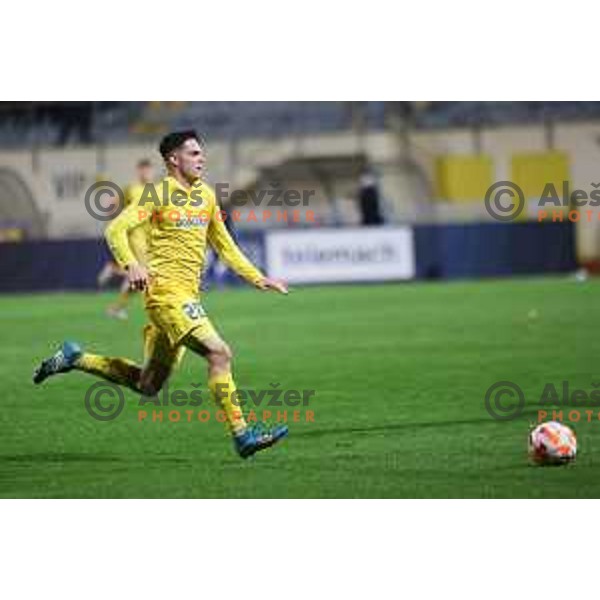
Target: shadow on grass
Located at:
point(69, 457)
point(409, 425)
point(54, 457)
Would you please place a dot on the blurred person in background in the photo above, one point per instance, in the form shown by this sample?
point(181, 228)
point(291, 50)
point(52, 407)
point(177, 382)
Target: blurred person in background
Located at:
point(137, 239)
point(369, 198)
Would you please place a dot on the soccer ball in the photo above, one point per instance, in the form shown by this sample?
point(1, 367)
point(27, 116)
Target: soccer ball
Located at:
point(552, 443)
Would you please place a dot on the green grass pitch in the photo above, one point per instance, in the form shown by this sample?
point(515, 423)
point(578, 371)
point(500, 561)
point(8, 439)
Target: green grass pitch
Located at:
point(400, 373)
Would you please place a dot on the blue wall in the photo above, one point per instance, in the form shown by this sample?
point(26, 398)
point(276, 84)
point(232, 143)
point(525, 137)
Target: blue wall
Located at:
point(74, 264)
point(35, 266)
point(445, 251)
point(494, 249)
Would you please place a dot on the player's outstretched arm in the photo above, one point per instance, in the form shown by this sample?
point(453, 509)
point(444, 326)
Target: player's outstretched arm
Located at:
point(231, 254)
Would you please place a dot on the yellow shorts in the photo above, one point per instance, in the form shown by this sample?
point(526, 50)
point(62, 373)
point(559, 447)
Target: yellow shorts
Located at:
point(174, 316)
point(176, 313)
point(158, 349)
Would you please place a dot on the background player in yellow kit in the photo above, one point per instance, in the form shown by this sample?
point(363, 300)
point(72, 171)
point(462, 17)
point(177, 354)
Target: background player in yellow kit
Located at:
point(181, 216)
point(137, 239)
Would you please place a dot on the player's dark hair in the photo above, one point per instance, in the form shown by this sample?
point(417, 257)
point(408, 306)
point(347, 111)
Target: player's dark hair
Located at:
point(174, 140)
point(144, 162)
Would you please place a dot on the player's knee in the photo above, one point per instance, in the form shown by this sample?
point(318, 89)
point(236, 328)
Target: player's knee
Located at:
point(150, 384)
point(220, 358)
point(149, 388)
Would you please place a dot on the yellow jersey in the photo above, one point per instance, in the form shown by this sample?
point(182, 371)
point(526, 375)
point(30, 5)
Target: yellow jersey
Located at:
point(180, 223)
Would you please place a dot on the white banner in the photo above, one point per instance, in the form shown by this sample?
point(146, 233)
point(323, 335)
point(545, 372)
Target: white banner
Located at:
point(341, 255)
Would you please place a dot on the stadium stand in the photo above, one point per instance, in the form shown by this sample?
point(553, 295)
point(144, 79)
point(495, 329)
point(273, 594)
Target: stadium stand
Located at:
point(57, 124)
point(461, 114)
point(51, 124)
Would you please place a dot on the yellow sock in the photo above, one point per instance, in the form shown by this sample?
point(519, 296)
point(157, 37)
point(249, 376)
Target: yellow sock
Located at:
point(222, 387)
point(117, 370)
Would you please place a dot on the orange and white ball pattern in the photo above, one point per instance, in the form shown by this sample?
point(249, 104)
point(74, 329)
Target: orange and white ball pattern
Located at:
point(552, 443)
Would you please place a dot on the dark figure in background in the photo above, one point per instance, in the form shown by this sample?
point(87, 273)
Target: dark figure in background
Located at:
point(369, 199)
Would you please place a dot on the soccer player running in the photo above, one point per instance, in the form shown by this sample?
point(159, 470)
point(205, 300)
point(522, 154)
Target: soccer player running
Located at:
point(179, 229)
point(137, 240)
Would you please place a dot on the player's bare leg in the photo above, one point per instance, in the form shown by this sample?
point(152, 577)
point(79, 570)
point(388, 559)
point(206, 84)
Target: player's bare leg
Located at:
point(118, 309)
point(108, 271)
